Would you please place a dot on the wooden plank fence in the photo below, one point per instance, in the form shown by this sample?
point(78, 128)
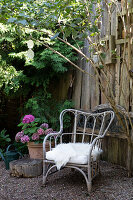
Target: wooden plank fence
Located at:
point(87, 94)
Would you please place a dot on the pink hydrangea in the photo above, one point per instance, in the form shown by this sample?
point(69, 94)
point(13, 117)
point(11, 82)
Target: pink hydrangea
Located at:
point(49, 130)
point(19, 135)
point(40, 131)
point(28, 118)
point(44, 125)
point(35, 136)
point(25, 139)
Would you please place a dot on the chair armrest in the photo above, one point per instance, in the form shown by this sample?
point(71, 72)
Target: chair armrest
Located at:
point(49, 136)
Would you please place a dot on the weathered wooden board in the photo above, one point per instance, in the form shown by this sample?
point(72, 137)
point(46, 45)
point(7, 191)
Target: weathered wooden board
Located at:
point(85, 98)
point(107, 21)
point(117, 75)
point(124, 85)
point(113, 20)
point(76, 97)
point(103, 21)
point(115, 150)
point(95, 95)
point(104, 84)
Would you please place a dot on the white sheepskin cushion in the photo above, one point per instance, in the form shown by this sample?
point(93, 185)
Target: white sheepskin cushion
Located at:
point(72, 153)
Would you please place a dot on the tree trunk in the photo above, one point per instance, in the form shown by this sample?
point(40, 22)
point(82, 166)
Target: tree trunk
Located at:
point(26, 168)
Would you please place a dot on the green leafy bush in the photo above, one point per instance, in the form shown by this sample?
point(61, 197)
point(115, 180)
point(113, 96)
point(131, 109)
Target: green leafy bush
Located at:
point(4, 140)
point(21, 147)
point(48, 109)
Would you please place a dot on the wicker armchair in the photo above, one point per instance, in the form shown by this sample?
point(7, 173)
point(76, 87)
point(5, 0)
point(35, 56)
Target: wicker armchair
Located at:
point(87, 128)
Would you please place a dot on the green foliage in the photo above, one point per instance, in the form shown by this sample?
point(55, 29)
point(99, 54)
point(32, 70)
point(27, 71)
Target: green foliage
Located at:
point(73, 17)
point(37, 73)
point(48, 109)
point(22, 148)
point(47, 59)
point(44, 22)
point(17, 71)
point(9, 77)
point(27, 21)
point(4, 140)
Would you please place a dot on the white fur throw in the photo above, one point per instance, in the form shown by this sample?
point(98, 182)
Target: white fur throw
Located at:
point(72, 153)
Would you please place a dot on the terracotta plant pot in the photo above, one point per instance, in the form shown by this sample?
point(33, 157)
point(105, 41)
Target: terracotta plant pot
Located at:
point(36, 150)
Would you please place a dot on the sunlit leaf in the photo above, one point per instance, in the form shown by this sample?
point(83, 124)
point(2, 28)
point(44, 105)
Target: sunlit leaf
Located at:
point(55, 36)
point(12, 19)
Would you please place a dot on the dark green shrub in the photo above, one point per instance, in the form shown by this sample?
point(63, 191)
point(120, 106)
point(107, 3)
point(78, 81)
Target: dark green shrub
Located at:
point(4, 140)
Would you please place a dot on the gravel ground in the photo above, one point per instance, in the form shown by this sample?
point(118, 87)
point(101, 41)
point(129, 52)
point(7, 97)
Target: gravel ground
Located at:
point(113, 183)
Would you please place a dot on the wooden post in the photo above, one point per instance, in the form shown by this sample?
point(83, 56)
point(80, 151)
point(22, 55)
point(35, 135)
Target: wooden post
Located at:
point(76, 97)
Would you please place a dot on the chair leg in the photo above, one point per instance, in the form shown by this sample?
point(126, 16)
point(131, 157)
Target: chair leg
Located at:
point(44, 180)
point(89, 186)
point(44, 173)
point(89, 180)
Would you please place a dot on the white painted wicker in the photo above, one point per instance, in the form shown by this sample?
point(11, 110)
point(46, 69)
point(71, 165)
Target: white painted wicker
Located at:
point(89, 128)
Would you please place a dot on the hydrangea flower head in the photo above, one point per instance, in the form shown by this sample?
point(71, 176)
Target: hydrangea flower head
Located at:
point(28, 119)
point(19, 135)
point(35, 136)
point(44, 125)
point(25, 139)
point(40, 131)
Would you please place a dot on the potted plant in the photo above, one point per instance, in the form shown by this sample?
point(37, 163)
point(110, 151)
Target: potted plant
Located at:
point(33, 133)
